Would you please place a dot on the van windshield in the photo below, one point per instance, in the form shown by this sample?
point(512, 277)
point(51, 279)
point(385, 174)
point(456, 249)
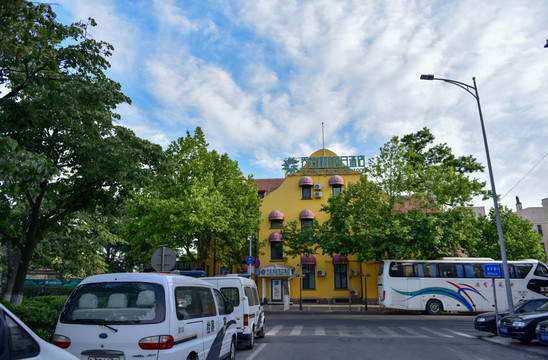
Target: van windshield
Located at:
point(115, 303)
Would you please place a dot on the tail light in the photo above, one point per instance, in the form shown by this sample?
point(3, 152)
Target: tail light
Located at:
point(61, 341)
point(160, 342)
point(383, 295)
point(246, 319)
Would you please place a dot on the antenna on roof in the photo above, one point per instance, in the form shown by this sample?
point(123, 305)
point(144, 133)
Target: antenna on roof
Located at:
point(323, 140)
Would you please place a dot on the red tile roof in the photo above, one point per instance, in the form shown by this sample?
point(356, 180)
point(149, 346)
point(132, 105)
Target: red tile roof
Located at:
point(268, 185)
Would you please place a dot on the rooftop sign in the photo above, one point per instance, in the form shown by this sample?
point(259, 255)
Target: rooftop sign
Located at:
point(325, 165)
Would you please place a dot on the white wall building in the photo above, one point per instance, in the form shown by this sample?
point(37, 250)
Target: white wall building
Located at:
point(538, 216)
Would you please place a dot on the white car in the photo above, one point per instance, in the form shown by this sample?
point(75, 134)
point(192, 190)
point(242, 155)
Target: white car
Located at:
point(146, 316)
point(18, 341)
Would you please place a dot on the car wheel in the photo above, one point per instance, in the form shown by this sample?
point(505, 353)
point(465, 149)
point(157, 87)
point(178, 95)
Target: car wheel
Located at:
point(260, 334)
point(433, 307)
point(251, 342)
point(525, 341)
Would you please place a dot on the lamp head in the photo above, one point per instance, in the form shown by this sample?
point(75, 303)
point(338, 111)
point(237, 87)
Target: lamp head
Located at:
point(427, 77)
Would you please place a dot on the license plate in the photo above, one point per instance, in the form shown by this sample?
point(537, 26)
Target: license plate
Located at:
point(103, 358)
point(544, 337)
point(503, 330)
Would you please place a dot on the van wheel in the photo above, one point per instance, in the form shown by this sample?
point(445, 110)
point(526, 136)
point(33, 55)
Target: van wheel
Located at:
point(260, 334)
point(251, 342)
point(433, 307)
point(232, 353)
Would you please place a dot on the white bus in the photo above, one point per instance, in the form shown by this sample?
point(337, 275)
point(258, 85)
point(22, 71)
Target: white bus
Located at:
point(456, 284)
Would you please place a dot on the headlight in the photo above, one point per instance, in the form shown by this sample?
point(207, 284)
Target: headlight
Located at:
point(480, 319)
point(518, 323)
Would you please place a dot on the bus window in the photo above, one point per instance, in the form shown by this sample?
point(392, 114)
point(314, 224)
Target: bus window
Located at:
point(478, 271)
point(396, 270)
point(469, 270)
point(522, 270)
point(541, 270)
point(448, 270)
point(401, 270)
point(460, 270)
point(418, 270)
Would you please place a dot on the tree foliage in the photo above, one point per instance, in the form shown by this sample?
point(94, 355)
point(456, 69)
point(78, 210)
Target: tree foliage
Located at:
point(520, 239)
point(412, 203)
point(60, 150)
point(201, 204)
point(301, 241)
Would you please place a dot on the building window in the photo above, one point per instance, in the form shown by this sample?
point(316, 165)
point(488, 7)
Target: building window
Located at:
point(336, 189)
point(307, 223)
point(341, 276)
point(276, 251)
point(306, 191)
point(539, 229)
point(309, 277)
point(276, 224)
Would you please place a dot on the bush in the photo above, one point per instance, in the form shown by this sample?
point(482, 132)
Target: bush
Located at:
point(40, 313)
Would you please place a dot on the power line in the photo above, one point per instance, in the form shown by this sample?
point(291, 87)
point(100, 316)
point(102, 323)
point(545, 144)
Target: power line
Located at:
point(524, 176)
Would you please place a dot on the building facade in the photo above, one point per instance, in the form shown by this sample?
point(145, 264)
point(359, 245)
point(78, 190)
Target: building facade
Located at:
point(308, 184)
point(538, 216)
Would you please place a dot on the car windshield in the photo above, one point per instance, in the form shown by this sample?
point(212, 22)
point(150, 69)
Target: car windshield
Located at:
point(543, 307)
point(115, 303)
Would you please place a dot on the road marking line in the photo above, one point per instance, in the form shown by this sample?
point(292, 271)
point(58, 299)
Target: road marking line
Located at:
point(256, 352)
point(296, 330)
point(275, 330)
point(412, 332)
point(320, 331)
point(437, 333)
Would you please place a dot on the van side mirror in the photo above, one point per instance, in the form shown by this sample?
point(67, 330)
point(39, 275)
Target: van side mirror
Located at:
point(229, 307)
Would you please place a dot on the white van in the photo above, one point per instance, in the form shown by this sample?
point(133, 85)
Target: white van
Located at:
point(242, 293)
point(146, 315)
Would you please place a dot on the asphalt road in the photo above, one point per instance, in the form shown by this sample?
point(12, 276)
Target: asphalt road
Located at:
point(373, 335)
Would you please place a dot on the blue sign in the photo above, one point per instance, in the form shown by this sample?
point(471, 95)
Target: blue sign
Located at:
point(249, 260)
point(491, 270)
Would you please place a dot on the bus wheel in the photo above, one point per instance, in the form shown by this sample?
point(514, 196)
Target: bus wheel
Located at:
point(433, 307)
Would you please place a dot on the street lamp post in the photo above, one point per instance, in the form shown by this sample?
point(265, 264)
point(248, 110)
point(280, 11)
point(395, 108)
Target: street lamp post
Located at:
point(469, 88)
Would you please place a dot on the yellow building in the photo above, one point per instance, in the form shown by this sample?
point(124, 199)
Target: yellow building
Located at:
point(308, 183)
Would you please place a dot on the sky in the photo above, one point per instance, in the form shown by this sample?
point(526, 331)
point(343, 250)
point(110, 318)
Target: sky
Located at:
point(267, 80)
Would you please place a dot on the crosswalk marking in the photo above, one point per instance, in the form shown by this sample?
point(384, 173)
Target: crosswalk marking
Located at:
point(367, 331)
point(412, 332)
point(275, 330)
point(436, 332)
point(459, 333)
point(296, 330)
point(388, 331)
point(342, 331)
point(319, 331)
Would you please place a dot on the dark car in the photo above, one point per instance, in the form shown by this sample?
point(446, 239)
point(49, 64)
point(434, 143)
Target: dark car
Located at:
point(487, 322)
point(522, 326)
point(542, 332)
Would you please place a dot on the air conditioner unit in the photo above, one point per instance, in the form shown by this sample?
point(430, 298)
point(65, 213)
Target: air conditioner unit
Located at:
point(353, 272)
point(317, 186)
point(321, 272)
point(318, 194)
point(353, 292)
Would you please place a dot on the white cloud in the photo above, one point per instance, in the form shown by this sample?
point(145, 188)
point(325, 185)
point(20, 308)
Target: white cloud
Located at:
point(260, 77)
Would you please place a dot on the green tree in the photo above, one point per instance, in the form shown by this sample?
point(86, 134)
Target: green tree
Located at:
point(201, 205)
point(60, 150)
point(412, 202)
point(520, 239)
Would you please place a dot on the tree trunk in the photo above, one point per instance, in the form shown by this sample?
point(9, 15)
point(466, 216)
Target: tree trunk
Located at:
point(20, 275)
